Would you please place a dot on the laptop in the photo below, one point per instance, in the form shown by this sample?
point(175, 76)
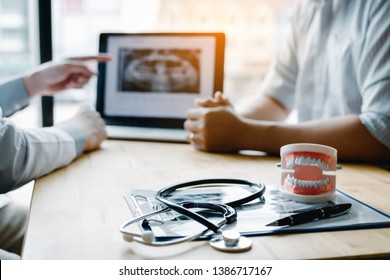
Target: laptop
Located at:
point(153, 79)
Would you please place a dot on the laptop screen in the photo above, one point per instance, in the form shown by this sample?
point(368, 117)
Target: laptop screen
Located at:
point(153, 78)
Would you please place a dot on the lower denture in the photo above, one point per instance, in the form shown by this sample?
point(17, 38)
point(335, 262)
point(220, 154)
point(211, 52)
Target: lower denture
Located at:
point(310, 179)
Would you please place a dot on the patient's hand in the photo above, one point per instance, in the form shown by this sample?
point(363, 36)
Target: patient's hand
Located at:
point(216, 129)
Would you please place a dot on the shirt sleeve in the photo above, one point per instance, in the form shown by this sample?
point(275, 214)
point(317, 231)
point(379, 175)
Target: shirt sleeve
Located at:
point(76, 134)
point(13, 96)
point(30, 154)
point(374, 74)
point(280, 80)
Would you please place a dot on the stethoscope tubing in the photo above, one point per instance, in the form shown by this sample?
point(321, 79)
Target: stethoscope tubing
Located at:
point(178, 207)
point(161, 194)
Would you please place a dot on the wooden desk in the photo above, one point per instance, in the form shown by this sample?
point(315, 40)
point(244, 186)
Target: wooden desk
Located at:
point(76, 211)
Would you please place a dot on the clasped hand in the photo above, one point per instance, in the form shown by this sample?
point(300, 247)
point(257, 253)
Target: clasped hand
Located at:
point(214, 126)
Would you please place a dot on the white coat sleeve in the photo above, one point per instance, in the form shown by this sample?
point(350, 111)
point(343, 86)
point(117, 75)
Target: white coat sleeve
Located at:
point(27, 154)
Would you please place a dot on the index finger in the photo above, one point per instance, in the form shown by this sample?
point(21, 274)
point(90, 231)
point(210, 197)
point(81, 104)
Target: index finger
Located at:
point(98, 58)
point(78, 68)
point(207, 103)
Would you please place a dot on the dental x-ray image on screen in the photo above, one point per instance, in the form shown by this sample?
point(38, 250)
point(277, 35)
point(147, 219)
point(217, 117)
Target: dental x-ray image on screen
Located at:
point(159, 70)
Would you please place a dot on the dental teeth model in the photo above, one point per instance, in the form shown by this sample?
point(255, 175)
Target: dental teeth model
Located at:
point(308, 172)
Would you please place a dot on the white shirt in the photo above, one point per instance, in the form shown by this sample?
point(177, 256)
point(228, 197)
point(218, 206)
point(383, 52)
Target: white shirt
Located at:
point(32, 153)
point(336, 61)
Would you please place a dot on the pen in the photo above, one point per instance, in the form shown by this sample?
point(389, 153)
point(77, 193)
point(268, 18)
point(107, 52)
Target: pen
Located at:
point(311, 215)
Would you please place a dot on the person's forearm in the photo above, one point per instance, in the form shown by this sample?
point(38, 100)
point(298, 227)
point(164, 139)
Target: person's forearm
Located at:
point(347, 134)
point(263, 107)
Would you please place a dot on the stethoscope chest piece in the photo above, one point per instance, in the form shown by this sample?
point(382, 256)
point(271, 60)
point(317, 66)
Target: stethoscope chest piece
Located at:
point(231, 241)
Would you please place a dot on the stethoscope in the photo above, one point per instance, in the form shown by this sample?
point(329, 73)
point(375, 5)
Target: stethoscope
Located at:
point(226, 240)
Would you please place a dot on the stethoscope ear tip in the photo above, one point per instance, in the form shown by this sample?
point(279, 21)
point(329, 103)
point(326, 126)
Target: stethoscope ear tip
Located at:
point(147, 236)
point(127, 237)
